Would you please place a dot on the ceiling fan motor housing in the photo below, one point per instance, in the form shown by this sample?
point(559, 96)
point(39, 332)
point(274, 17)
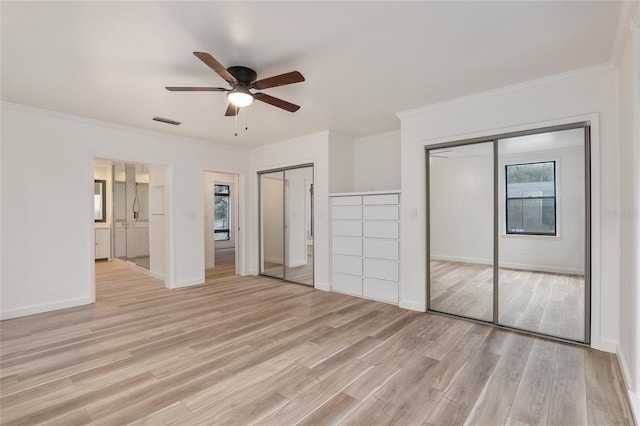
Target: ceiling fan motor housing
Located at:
point(244, 75)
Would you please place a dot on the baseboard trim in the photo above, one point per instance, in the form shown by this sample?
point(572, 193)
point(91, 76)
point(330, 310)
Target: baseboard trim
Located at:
point(604, 345)
point(277, 260)
point(322, 286)
point(46, 307)
point(634, 399)
point(413, 306)
point(157, 275)
point(518, 266)
point(188, 283)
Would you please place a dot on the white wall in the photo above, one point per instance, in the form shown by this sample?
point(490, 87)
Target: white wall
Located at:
point(341, 157)
point(377, 162)
point(628, 215)
point(48, 161)
point(461, 192)
point(561, 99)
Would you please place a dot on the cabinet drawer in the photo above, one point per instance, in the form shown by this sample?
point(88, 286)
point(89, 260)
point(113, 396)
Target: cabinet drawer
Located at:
point(380, 249)
point(346, 284)
point(381, 269)
point(380, 229)
point(380, 212)
point(347, 264)
point(380, 199)
point(386, 291)
point(346, 245)
point(346, 201)
point(346, 212)
point(348, 228)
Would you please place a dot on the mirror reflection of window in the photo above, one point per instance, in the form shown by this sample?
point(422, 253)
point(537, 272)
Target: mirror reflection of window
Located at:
point(99, 200)
point(222, 213)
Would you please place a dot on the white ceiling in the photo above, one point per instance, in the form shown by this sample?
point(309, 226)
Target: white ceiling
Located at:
point(363, 61)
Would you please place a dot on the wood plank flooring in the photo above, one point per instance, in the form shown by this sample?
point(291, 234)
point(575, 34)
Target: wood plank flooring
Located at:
point(254, 350)
point(543, 302)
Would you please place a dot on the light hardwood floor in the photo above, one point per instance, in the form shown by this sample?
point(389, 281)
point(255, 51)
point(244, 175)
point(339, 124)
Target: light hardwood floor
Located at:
point(543, 302)
point(254, 350)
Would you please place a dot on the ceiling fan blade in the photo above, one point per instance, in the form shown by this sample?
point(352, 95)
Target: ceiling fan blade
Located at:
point(197, 89)
point(217, 67)
point(278, 80)
point(232, 110)
point(276, 102)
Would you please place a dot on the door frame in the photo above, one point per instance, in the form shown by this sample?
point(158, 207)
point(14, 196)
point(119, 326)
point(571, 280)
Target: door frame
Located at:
point(494, 138)
point(283, 169)
point(237, 216)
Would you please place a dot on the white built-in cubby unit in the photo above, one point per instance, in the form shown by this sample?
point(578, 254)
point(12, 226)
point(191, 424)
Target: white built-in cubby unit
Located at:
point(365, 254)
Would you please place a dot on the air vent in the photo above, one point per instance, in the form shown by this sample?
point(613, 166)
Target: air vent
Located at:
point(166, 120)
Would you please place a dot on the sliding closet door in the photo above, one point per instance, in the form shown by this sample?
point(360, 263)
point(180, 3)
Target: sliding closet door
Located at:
point(461, 228)
point(286, 224)
point(272, 248)
point(298, 233)
point(541, 210)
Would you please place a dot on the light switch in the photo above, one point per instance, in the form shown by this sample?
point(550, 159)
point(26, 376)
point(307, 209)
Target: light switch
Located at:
point(413, 213)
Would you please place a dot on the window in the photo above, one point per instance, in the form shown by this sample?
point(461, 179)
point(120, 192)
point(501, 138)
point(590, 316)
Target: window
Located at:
point(531, 198)
point(222, 211)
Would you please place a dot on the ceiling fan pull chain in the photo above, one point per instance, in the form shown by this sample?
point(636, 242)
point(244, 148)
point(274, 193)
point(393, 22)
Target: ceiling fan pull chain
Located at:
point(246, 120)
point(236, 116)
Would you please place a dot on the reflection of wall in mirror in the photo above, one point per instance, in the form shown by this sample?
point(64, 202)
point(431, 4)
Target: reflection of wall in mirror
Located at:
point(461, 226)
point(272, 219)
point(296, 219)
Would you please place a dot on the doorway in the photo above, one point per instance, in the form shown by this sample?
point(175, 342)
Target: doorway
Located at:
point(131, 215)
point(509, 230)
point(286, 224)
point(221, 218)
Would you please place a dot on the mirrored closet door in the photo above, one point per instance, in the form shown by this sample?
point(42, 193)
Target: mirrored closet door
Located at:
point(461, 225)
point(508, 230)
point(286, 224)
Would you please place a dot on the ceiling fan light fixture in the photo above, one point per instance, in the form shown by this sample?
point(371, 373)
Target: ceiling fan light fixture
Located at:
point(240, 97)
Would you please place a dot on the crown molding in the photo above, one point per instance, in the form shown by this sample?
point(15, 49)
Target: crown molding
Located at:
point(628, 22)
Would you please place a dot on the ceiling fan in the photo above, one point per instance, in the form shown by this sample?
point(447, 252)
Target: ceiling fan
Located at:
point(242, 80)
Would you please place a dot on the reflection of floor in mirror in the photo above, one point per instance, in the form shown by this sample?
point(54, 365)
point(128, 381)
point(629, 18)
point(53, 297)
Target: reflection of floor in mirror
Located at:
point(300, 274)
point(539, 301)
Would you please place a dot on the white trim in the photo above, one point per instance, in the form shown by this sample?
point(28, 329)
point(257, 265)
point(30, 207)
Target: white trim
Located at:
point(322, 286)
point(109, 125)
point(156, 275)
point(597, 342)
point(519, 266)
point(634, 398)
point(377, 136)
point(348, 194)
point(47, 307)
point(188, 283)
point(413, 306)
point(623, 31)
point(274, 260)
point(462, 259)
point(493, 92)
